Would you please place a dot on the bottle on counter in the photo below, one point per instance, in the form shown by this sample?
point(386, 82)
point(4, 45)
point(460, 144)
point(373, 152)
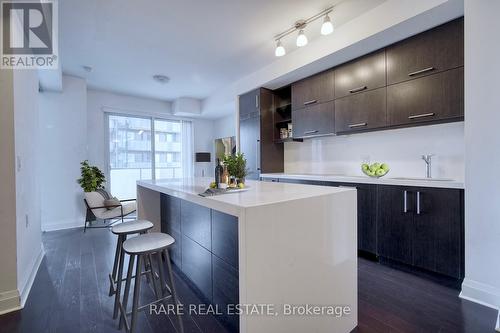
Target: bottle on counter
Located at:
point(225, 178)
point(218, 173)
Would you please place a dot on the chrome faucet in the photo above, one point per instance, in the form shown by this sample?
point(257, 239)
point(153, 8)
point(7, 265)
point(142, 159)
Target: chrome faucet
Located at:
point(428, 163)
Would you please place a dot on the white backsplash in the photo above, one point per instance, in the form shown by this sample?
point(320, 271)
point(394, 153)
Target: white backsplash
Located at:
point(400, 148)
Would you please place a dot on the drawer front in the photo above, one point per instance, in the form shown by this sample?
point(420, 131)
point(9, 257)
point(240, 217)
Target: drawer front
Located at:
point(197, 266)
point(360, 75)
point(433, 51)
point(362, 111)
point(432, 98)
point(225, 237)
point(314, 120)
point(195, 223)
point(225, 290)
point(314, 90)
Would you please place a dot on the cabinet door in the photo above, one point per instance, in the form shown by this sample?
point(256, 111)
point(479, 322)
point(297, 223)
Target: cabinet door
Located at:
point(318, 119)
point(362, 111)
point(250, 102)
point(437, 243)
point(171, 224)
point(362, 74)
point(313, 90)
point(432, 98)
point(196, 223)
point(225, 237)
point(197, 265)
point(250, 145)
point(226, 290)
point(395, 223)
point(430, 52)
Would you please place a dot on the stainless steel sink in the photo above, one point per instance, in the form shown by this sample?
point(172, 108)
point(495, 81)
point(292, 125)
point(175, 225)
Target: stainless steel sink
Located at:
point(424, 179)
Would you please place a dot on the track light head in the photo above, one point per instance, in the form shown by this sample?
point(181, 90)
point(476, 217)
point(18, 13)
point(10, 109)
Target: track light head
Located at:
point(301, 39)
point(280, 50)
point(327, 26)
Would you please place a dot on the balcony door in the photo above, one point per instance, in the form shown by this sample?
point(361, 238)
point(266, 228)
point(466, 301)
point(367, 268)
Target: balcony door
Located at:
point(146, 148)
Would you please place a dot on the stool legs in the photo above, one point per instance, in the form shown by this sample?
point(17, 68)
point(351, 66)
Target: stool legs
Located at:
point(118, 253)
point(172, 287)
point(118, 278)
point(137, 290)
point(126, 292)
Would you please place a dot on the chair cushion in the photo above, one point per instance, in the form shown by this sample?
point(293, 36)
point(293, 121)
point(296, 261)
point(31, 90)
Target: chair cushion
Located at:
point(117, 212)
point(132, 227)
point(95, 199)
point(111, 202)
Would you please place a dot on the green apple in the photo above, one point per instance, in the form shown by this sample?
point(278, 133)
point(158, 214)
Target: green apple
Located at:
point(370, 173)
point(374, 167)
point(385, 167)
point(380, 172)
point(365, 167)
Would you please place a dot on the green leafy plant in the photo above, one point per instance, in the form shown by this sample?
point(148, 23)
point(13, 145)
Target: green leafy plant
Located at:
point(236, 165)
point(92, 177)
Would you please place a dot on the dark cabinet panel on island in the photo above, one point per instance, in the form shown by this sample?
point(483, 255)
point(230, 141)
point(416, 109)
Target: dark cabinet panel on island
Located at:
point(315, 120)
point(316, 89)
point(226, 291)
point(432, 51)
point(362, 74)
point(432, 98)
point(197, 265)
point(196, 224)
point(225, 237)
point(363, 111)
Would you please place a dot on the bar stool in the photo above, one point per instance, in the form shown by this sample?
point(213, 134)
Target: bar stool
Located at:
point(122, 230)
point(144, 247)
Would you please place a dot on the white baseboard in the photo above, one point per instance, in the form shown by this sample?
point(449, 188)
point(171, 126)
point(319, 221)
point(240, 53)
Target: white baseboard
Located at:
point(63, 224)
point(9, 301)
point(480, 293)
point(24, 290)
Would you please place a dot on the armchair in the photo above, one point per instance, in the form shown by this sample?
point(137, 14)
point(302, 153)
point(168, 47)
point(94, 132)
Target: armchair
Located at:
point(96, 209)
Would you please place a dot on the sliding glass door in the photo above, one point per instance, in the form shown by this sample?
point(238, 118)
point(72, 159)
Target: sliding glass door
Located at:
point(146, 148)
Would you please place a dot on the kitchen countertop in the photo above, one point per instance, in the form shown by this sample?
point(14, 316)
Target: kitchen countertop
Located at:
point(258, 194)
point(402, 181)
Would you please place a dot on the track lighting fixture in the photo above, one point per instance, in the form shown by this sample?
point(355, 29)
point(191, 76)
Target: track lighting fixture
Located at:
point(326, 29)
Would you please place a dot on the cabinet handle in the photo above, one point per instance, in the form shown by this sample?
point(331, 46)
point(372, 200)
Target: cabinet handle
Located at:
point(357, 125)
point(256, 101)
point(428, 69)
point(310, 102)
point(405, 201)
point(355, 90)
point(310, 132)
point(423, 115)
point(418, 202)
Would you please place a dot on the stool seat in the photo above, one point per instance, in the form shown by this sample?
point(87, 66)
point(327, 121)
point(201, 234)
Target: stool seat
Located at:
point(132, 227)
point(147, 243)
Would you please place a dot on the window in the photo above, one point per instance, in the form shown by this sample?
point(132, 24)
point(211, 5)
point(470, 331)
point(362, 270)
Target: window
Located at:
point(131, 151)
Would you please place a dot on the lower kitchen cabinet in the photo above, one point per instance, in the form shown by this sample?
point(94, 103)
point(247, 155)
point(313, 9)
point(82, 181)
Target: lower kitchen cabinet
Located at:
point(422, 227)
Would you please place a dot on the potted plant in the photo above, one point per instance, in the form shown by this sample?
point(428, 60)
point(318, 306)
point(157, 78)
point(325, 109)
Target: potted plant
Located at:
point(92, 177)
point(237, 167)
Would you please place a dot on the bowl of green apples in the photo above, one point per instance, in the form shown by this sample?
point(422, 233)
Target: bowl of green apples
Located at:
point(375, 170)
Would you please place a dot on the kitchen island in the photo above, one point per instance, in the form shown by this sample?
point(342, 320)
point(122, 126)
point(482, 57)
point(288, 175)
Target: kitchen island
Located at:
point(287, 253)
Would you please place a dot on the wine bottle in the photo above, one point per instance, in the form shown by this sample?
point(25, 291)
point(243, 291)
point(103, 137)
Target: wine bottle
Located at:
point(218, 173)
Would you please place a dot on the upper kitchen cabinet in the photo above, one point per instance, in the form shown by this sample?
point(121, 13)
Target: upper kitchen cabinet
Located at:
point(433, 51)
point(360, 112)
point(316, 89)
point(257, 133)
point(314, 120)
point(361, 75)
point(434, 98)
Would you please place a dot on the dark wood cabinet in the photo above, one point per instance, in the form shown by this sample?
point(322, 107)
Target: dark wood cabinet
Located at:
point(316, 89)
point(170, 209)
point(257, 139)
point(314, 120)
point(226, 291)
point(225, 237)
point(301, 181)
point(363, 74)
point(197, 265)
point(432, 98)
point(196, 224)
point(422, 227)
point(363, 111)
point(430, 52)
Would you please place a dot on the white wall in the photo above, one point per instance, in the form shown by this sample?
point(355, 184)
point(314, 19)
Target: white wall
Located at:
point(29, 241)
point(400, 148)
point(63, 141)
point(225, 126)
point(482, 142)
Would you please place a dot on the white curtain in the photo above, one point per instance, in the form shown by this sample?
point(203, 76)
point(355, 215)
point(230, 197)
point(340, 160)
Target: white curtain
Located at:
point(187, 149)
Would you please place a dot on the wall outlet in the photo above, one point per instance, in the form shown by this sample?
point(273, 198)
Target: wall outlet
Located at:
point(26, 217)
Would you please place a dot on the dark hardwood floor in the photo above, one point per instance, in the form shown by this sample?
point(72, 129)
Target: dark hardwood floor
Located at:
point(70, 294)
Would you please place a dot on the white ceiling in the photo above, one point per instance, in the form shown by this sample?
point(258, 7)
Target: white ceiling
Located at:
point(201, 45)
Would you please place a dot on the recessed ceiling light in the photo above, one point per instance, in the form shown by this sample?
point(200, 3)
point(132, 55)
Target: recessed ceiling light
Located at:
point(88, 69)
point(161, 78)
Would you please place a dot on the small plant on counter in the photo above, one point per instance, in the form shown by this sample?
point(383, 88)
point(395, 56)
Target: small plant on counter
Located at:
point(236, 166)
point(92, 177)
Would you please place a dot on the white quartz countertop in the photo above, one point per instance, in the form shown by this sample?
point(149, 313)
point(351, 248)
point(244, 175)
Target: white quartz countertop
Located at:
point(402, 181)
point(258, 194)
